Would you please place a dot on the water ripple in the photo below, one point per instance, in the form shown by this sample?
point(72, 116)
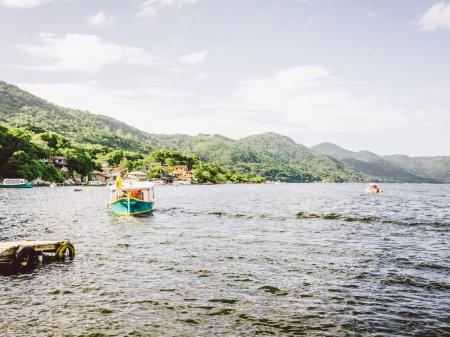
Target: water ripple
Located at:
point(234, 260)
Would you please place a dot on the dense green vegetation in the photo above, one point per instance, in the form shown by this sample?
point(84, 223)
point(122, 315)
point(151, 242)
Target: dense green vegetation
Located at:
point(270, 155)
point(202, 172)
point(212, 172)
point(99, 139)
point(19, 108)
point(22, 154)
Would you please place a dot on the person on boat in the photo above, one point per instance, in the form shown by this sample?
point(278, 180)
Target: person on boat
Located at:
point(140, 195)
point(119, 181)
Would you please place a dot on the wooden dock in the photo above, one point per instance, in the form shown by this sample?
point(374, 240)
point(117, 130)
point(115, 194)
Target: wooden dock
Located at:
point(25, 255)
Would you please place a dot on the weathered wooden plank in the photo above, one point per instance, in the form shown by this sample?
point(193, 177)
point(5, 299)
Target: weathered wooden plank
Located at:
point(8, 248)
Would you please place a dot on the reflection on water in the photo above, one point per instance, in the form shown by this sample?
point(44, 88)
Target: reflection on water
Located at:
point(234, 260)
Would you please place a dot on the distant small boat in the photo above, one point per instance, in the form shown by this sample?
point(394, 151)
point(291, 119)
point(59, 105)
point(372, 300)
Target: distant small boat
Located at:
point(374, 188)
point(96, 183)
point(53, 185)
point(77, 189)
point(132, 197)
point(16, 183)
point(181, 183)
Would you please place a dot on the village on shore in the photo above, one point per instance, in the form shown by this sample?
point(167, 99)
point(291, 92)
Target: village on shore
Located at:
point(159, 173)
point(178, 174)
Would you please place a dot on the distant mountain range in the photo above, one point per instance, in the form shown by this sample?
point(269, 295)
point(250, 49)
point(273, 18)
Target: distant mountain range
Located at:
point(394, 168)
point(272, 155)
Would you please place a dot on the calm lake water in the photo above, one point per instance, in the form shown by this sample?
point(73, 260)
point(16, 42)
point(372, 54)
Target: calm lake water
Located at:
point(234, 260)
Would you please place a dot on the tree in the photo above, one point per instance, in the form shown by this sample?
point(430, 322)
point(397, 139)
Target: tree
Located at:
point(55, 141)
point(210, 172)
point(170, 158)
point(155, 172)
point(79, 161)
point(114, 157)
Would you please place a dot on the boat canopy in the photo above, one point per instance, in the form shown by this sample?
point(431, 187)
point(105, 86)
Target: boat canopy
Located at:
point(133, 185)
point(14, 181)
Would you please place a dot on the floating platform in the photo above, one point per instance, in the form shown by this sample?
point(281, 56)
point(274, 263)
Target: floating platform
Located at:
point(19, 256)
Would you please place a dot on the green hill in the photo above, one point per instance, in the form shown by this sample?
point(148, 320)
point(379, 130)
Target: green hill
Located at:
point(436, 168)
point(20, 108)
point(395, 168)
point(298, 159)
point(333, 151)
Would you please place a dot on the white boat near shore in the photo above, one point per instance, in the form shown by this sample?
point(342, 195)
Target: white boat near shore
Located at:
point(16, 183)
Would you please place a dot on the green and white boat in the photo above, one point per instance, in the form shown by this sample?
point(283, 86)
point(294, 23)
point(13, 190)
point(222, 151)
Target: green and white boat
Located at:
point(16, 183)
point(132, 198)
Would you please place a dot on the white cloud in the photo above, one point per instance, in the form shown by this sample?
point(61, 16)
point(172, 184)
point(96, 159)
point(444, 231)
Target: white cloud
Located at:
point(77, 52)
point(371, 14)
point(310, 98)
point(82, 95)
point(291, 101)
point(101, 19)
point(194, 58)
point(22, 3)
point(436, 17)
point(149, 8)
point(140, 108)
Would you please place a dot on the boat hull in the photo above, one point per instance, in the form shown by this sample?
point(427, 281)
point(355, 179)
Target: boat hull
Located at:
point(26, 185)
point(132, 206)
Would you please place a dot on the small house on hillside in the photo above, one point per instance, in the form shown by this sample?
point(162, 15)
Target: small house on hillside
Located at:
point(137, 175)
point(181, 172)
point(98, 176)
point(180, 168)
point(152, 164)
point(148, 166)
point(112, 172)
point(57, 160)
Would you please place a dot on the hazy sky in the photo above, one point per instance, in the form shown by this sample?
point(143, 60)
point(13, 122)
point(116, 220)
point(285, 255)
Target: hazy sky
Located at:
point(369, 74)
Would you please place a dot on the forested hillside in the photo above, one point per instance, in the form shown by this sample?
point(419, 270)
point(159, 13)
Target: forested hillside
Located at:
point(395, 168)
point(273, 156)
point(20, 108)
point(436, 168)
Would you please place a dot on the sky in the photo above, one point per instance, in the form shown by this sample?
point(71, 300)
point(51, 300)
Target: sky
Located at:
point(364, 74)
